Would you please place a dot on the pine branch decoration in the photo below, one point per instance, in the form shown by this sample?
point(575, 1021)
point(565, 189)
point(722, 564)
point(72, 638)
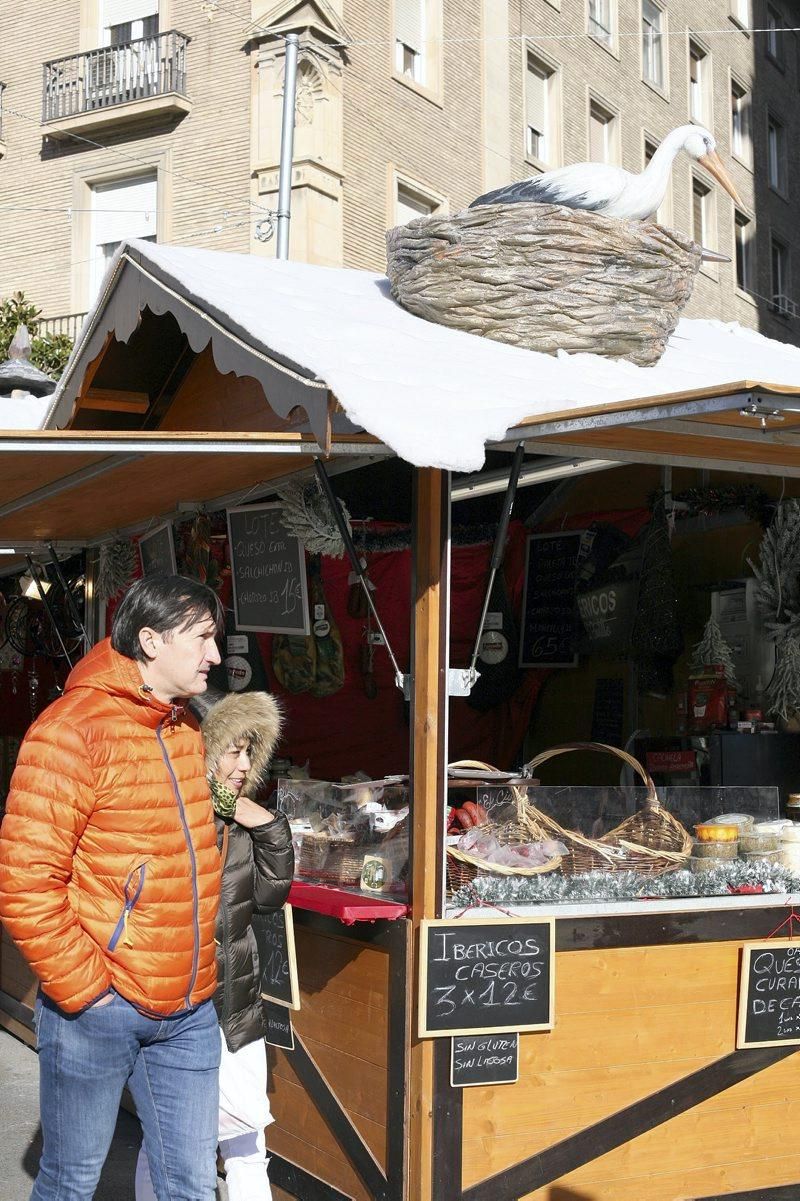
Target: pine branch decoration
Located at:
point(116, 568)
point(783, 693)
point(778, 573)
point(307, 516)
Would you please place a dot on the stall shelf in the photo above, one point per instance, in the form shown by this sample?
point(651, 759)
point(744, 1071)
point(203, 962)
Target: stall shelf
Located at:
point(638, 1091)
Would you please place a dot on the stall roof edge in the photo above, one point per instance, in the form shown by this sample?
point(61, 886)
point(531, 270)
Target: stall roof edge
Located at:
point(435, 396)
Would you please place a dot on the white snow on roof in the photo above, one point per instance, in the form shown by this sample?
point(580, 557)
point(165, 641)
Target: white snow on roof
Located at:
point(436, 395)
point(24, 412)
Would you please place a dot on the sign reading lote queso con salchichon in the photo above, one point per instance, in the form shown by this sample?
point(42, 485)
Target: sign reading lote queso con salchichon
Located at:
point(268, 568)
point(769, 994)
point(484, 976)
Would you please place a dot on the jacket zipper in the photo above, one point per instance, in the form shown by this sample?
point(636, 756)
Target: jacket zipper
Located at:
point(128, 907)
point(192, 860)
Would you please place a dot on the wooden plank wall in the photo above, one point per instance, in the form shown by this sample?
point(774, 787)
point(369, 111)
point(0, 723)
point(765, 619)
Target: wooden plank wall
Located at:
point(630, 1022)
point(18, 981)
point(344, 988)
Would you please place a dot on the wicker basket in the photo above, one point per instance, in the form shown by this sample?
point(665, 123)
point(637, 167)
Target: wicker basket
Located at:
point(462, 868)
point(651, 841)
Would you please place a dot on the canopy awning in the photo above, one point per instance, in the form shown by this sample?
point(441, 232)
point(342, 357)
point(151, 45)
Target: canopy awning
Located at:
point(434, 396)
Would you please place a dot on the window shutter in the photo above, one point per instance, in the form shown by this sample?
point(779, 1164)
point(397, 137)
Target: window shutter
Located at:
point(119, 12)
point(408, 23)
point(124, 209)
point(536, 98)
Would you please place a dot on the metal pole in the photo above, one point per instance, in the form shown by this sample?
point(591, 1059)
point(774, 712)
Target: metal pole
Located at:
point(32, 568)
point(73, 608)
point(287, 147)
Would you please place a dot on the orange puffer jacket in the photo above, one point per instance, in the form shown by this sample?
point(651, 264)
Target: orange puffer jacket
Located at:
point(109, 868)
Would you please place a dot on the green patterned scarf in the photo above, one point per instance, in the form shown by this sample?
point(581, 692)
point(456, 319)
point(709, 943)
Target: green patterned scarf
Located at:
point(223, 798)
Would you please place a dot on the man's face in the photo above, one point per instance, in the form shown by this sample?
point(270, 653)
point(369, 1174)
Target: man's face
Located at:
point(180, 660)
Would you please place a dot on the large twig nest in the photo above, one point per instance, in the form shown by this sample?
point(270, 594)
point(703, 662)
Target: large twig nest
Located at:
point(546, 277)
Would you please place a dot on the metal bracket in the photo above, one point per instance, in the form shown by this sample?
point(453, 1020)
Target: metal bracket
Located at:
point(460, 682)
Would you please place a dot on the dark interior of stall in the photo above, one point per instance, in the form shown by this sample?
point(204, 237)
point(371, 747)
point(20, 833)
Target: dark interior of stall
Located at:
point(611, 585)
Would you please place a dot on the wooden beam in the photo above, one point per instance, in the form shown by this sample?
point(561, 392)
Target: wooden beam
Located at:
point(430, 603)
point(113, 400)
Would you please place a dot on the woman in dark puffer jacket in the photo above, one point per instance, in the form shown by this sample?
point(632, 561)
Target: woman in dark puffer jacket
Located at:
point(240, 731)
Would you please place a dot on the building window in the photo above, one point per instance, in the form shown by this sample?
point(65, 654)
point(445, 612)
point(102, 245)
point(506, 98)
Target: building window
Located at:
point(124, 209)
point(700, 84)
point(774, 27)
point(409, 32)
point(741, 129)
point(541, 111)
point(601, 21)
point(123, 21)
point(664, 213)
point(741, 11)
point(652, 44)
point(603, 134)
point(781, 300)
point(411, 202)
point(776, 155)
point(701, 212)
point(743, 232)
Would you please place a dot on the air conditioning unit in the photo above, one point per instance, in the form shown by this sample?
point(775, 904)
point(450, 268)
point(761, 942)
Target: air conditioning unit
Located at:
point(784, 305)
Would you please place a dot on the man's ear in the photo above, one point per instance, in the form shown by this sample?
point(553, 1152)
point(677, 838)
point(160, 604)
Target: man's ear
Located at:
point(149, 641)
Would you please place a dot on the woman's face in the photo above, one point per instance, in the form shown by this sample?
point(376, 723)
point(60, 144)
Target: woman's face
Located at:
point(234, 765)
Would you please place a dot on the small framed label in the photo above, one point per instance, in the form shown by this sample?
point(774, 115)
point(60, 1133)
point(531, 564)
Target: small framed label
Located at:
point(280, 1032)
point(484, 1059)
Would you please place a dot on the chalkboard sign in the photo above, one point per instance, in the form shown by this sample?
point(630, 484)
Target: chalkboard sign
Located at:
point(279, 1026)
point(268, 567)
point(275, 941)
point(484, 1059)
point(769, 994)
point(485, 976)
point(608, 712)
point(157, 551)
point(549, 610)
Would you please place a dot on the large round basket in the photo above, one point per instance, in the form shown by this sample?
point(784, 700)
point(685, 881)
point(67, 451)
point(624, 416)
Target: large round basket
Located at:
point(546, 277)
point(462, 868)
point(651, 841)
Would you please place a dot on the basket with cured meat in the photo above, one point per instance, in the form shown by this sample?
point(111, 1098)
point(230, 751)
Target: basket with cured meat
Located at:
point(531, 841)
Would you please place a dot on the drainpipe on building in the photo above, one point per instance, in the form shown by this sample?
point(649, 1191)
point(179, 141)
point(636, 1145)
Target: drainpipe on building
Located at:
point(287, 146)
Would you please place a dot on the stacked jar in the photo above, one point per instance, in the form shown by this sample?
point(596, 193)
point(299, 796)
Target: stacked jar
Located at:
point(717, 843)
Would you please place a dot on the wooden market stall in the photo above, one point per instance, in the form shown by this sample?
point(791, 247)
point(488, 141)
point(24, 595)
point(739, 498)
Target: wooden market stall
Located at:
point(631, 1084)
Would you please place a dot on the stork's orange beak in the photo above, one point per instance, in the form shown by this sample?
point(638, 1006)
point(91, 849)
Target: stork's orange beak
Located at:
point(713, 164)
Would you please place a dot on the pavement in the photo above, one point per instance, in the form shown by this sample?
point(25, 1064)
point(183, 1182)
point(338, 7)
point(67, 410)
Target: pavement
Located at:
point(21, 1141)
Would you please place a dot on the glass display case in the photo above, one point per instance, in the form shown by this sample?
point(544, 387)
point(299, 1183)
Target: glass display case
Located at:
point(352, 836)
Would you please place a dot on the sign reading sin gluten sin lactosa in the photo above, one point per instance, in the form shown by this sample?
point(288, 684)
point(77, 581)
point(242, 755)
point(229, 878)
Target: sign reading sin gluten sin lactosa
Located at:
point(484, 976)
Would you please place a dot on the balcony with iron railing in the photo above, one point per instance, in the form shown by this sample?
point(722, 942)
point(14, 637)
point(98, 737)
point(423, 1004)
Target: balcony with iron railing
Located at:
point(136, 81)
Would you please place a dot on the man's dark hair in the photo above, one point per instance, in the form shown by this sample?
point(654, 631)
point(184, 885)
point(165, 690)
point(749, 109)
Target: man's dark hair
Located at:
point(166, 604)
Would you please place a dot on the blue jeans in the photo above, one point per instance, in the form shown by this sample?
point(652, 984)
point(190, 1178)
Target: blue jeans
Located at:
point(171, 1067)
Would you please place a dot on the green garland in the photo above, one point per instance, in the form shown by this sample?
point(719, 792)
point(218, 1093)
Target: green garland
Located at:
point(553, 888)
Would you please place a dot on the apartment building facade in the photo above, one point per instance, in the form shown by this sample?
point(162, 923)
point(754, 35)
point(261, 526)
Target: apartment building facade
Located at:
point(161, 119)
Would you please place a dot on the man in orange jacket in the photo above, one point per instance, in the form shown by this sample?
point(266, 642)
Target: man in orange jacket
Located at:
point(109, 885)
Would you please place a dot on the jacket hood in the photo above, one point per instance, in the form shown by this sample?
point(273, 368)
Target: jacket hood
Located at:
point(227, 718)
point(104, 670)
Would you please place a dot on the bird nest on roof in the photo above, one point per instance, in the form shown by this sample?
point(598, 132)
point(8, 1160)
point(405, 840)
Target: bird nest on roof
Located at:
point(546, 277)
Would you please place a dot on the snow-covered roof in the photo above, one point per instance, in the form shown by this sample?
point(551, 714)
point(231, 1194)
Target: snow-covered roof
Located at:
point(436, 396)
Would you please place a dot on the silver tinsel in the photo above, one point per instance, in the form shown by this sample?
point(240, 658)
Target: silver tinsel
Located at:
point(307, 515)
point(626, 886)
point(116, 567)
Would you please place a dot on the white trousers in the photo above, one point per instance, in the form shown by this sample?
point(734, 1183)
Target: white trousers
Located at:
point(243, 1114)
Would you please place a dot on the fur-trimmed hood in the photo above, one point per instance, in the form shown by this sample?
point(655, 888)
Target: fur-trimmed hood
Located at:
point(227, 718)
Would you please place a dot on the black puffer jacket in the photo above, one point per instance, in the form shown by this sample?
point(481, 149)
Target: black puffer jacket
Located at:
point(259, 863)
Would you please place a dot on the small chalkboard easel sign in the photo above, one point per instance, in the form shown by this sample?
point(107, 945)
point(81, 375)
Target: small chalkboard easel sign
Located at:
point(280, 1032)
point(769, 994)
point(276, 955)
point(485, 976)
point(484, 1059)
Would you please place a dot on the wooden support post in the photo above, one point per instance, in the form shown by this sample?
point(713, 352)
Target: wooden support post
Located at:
point(429, 705)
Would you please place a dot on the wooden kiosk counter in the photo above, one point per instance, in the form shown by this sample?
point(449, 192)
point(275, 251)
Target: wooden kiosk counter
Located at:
point(562, 1053)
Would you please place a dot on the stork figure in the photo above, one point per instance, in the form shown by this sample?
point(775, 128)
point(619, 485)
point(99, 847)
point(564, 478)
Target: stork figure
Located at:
point(612, 191)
